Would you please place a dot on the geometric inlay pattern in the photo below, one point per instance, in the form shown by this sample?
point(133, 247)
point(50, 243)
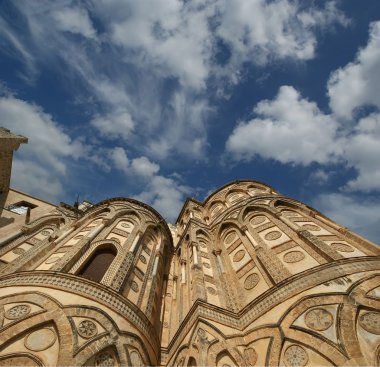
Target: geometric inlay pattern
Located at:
point(238, 256)
point(52, 260)
point(274, 235)
point(251, 281)
point(134, 286)
point(18, 251)
point(294, 256)
point(311, 227)
point(104, 359)
point(295, 356)
point(143, 259)
point(40, 339)
point(87, 329)
point(318, 319)
point(230, 237)
point(17, 312)
point(370, 321)
point(341, 247)
point(251, 356)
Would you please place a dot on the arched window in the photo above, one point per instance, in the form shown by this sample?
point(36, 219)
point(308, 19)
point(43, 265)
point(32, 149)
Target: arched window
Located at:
point(192, 362)
point(98, 263)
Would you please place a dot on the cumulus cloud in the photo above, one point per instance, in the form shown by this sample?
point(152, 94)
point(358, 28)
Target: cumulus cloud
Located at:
point(357, 84)
point(45, 157)
point(289, 129)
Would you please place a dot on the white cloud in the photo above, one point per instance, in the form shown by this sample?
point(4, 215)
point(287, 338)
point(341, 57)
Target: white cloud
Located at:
point(358, 214)
point(44, 157)
point(74, 20)
point(289, 129)
point(142, 166)
point(358, 83)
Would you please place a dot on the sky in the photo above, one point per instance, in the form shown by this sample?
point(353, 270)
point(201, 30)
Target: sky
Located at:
point(162, 100)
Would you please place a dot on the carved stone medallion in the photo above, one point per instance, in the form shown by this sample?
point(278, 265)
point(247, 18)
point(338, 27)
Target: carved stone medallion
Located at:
point(341, 247)
point(18, 251)
point(257, 220)
point(239, 256)
point(318, 319)
point(370, 321)
point(250, 356)
point(134, 286)
point(293, 256)
point(311, 227)
point(211, 290)
point(295, 356)
point(40, 339)
point(87, 329)
point(17, 312)
point(273, 235)
point(45, 233)
point(251, 281)
point(230, 238)
point(143, 259)
point(104, 359)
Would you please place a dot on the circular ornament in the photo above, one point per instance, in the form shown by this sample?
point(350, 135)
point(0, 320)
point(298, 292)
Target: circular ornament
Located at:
point(341, 247)
point(230, 238)
point(104, 359)
point(295, 356)
point(17, 312)
point(134, 286)
point(318, 319)
point(257, 220)
point(211, 290)
point(238, 256)
point(251, 281)
point(206, 265)
point(370, 321)
point(87, 329)
point(45, 233)
point(143, 259)
point(18, 251)
point(250, 355)
point(273, 235)
point(311, 227)
point(40, 339)
point(294, 256)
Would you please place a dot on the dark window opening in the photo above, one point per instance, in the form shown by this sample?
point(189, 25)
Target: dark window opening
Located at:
point(21, 207)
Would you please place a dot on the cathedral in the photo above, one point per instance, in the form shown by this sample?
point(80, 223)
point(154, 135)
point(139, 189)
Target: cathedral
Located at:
point(247, 277)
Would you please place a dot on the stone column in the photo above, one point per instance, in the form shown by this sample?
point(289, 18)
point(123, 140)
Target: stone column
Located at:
point(199, 289)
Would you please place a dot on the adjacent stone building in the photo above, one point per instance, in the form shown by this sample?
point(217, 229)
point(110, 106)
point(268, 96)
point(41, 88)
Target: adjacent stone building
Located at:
point(246, 278)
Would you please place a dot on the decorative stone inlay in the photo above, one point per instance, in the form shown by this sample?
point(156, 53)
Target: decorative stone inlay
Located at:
point(250, 356)
point(238, 256)
point(230, 238)
point(52, 260)
point(318, 319)
point(143, 259)
point(258, 219)
point(17, 312)
point(295, 356)
point(251, 281)
point(40, 339)
point(370, 321)
point(206, 265)
point(18, 251)
point(87, 329)
point(341, 247)
point(45, 233)
point(293, 256)
point(125, 225)
point(289, 213)
point(273, 235)
point(134, 286)
point(203, 245)
point(104, 359)
point(211, 290)
point(311, 227)
point(165, 324)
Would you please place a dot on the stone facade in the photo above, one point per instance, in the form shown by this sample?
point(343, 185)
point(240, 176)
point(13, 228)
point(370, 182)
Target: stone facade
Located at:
point(246, 278)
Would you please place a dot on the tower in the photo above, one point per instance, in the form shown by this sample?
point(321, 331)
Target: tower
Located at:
point(247, 277)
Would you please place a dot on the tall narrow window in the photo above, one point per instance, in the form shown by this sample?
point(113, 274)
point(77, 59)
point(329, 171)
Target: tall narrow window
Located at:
point(98, 263)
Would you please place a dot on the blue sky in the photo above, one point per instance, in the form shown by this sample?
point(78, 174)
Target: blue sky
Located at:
point(161, 100)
